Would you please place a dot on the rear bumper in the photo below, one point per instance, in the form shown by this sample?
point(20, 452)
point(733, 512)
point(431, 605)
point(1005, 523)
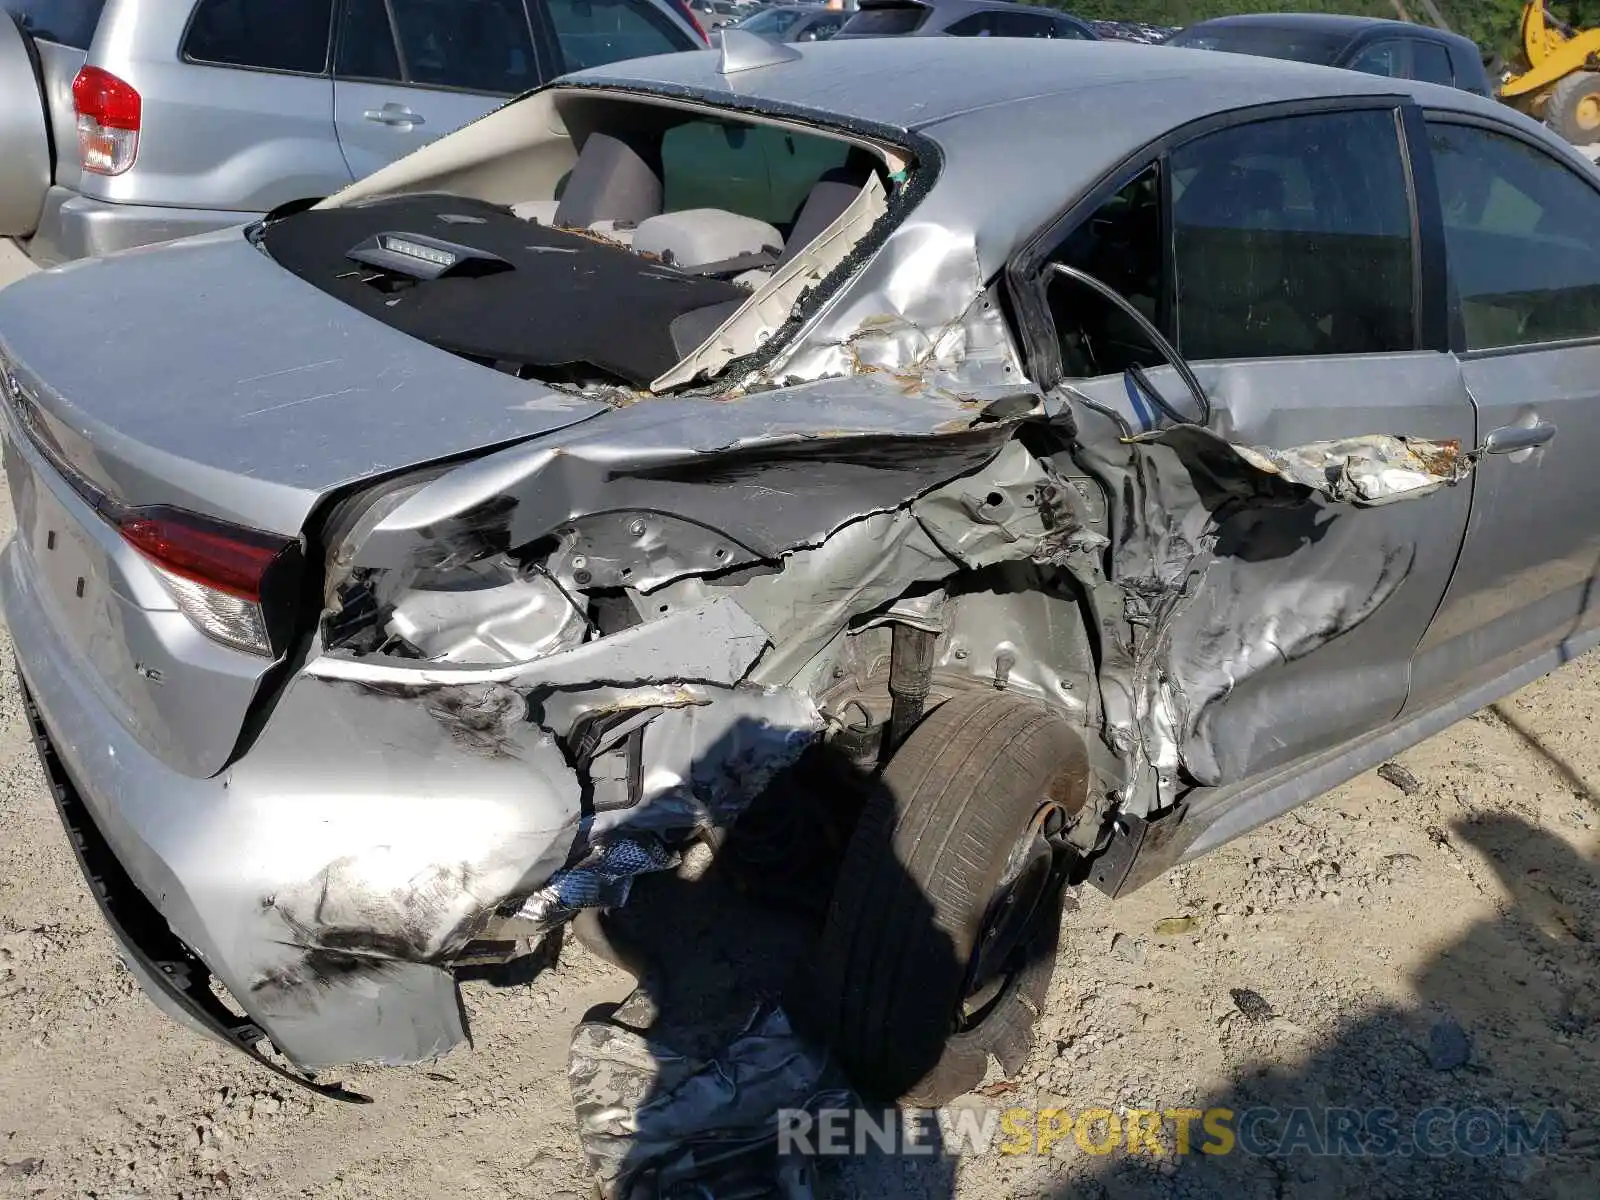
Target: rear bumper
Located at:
point(325, 879)
point(74, 226)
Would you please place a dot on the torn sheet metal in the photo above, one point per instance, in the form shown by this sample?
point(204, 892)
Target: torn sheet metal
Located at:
point(1229, 561)
point(875, 560)
point(655, 1123)
point(920, 313)
point(713, 642)
point(1369, 470)
point(602, 880)
point(682, 486)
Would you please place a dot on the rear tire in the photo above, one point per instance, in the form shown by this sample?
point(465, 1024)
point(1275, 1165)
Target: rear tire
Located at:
point(1573, 109)
point(903, 994)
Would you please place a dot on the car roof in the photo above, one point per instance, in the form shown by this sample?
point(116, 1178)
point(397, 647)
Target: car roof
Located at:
point(884, 81)
point(1031, 124)
point(951, 8)
point(1315, 23)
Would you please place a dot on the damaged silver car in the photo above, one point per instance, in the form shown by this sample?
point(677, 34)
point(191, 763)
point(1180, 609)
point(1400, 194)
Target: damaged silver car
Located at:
point(1102, 455)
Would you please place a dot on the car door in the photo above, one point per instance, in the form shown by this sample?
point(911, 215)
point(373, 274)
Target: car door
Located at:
point(1284, 256)
point(1522, 231)
point(409, 71)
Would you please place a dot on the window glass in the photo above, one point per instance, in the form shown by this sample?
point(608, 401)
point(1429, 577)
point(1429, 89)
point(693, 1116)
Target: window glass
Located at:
point(1263, 41)
point(1522, 233)
point(366, 43)
point(886, 22)
point(1430, 62)
point(1291, 237)
point(773, 22)
point(1381, 58)
point(757, 171)
point(478, 45)
point(595, 32)
point(275, 35)
point(1070, 31)
point(1120, 245)
point(1010, 24)
point(65, 22)
point(977, 25)
point(822, 28)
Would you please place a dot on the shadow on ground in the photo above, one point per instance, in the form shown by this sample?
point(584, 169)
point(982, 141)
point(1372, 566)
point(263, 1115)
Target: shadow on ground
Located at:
point(1496, 1053)
point(1425, 1101)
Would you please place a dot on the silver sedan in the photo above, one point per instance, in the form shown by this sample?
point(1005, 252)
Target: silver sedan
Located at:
point(1057, 460)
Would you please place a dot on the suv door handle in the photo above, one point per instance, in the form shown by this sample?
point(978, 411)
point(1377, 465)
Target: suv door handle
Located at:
point(1508, 439)
point(396, 115)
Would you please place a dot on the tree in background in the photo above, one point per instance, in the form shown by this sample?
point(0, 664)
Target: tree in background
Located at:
point(1494, 24)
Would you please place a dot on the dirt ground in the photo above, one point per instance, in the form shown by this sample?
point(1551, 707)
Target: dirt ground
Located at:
point(1423, 942)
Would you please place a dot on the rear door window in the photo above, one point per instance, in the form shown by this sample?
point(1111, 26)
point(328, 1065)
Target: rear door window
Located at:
point(1293, 237)
point(592, 33)
point(367, 47)
point(886, 22)
point(475, 45)
point(269, 35)
point(65, 22)
point(1430, 62)
point(1381, 58)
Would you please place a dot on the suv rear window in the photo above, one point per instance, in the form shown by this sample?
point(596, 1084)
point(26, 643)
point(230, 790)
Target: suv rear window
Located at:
point(887, 21)
point(269, 35)
point(67, 22)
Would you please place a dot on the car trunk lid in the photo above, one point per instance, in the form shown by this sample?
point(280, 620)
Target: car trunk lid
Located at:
point(204, 375)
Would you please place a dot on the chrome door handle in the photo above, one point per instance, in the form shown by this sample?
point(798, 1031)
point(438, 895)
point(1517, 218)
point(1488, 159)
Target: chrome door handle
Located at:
point(1508, 439)
point(397, 115)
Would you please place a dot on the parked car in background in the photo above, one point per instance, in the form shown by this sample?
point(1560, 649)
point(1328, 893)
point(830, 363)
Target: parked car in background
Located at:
point(796, 22)
point(714, 14)
point(151, 119)
point(1368, 44)
point(962, 18)
point(1132, 31)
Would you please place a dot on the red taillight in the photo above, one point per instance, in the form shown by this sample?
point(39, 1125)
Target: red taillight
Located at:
point(109, 115)
point(215, 572)
point(225, 558)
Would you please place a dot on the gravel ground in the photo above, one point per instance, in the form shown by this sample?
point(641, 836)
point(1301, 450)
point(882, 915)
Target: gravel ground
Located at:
point(1423, 938)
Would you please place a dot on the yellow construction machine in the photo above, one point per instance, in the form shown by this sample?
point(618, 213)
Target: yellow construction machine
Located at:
point(1561, 85)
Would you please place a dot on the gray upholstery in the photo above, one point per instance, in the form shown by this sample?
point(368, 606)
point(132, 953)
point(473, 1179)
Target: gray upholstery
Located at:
point(611, 181)
point(698, 236)
point(825, 203)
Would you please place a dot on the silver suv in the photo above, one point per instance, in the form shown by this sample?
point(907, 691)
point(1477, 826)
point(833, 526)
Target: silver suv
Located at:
point(154, 119)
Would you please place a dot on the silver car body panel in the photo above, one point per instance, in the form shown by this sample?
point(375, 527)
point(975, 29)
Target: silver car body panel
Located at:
point(285, 369)
point(75, 226)
point(23, 135)
point(884, 465)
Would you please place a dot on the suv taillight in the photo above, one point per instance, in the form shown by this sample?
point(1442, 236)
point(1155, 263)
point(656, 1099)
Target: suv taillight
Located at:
point(109, 112)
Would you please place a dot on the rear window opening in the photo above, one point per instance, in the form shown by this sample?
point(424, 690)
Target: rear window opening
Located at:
point(643, 246)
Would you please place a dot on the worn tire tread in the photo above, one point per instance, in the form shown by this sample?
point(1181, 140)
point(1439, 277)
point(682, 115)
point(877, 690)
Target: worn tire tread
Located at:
point(898, 933)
